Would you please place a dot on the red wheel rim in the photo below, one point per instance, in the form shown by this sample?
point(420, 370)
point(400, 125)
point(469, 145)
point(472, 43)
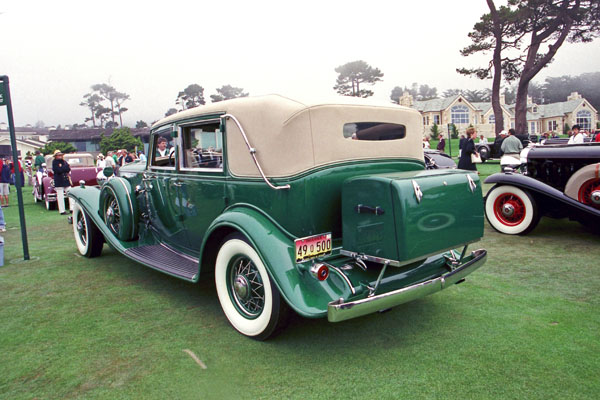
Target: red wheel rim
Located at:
point(586, 190)
point(509, 209)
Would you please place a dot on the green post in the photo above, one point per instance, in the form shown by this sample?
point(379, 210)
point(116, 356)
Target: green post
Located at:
point(5, 101)
point(450, 140)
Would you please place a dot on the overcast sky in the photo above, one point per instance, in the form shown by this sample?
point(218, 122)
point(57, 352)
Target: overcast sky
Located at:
point(53, 51)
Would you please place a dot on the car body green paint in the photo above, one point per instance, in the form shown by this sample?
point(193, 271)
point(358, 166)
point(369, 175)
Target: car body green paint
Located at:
point(323, 199)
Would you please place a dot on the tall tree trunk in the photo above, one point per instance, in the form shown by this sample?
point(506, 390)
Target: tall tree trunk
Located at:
point(533, 65)
point(120, 118)
point(497, 63)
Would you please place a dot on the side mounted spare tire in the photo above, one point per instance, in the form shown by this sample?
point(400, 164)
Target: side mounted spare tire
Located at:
point(119, 209)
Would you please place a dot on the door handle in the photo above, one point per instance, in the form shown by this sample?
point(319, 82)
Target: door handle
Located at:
point(177, 183)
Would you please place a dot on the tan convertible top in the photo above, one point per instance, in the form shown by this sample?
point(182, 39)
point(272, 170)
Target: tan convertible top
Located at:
point(291, 136)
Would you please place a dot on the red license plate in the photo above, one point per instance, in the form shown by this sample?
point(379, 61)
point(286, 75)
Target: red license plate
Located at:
point(313, 246)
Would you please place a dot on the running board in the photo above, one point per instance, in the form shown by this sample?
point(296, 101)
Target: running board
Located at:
point(165, 259)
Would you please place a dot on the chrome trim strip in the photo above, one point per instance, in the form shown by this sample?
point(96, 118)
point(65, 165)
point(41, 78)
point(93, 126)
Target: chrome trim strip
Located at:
point(253, 153)
point(378, 260)
point(339, 311)
point(344, 277)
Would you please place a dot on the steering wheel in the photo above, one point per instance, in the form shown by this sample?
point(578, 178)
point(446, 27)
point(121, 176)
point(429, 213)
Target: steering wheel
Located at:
point(171, 161)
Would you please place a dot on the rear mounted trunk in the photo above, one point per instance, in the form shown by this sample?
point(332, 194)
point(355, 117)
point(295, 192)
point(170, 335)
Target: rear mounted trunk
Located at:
point(408, 216)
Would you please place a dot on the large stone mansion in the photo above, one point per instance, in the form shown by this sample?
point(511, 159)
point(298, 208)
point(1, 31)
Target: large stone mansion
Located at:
point(540, 117)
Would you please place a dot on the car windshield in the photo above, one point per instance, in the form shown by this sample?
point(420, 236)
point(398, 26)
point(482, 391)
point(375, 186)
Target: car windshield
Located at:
point(77, 160)
point(74, 160)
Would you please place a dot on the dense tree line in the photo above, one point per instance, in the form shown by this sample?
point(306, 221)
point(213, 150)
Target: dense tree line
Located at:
point(523, 37)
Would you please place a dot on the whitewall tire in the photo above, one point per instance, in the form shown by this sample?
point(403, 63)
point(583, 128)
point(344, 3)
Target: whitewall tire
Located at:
point(250, 300)
point(88, 238)
point(511, 210)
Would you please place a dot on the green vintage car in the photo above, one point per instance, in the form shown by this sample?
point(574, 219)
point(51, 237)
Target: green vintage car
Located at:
point(325, 209)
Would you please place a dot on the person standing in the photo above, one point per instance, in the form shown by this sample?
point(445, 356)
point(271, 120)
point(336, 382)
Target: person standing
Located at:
point(4, 182)
point(511, 146)
point(61, 170)
point(441, 146)
point(100, 162)
point(468, 149)
point(142, 156)
point(39, 160)
point(461, 144)
point(577, 137)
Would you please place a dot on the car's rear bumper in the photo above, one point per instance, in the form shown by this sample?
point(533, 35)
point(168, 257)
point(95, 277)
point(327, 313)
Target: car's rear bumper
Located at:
point(339, 310)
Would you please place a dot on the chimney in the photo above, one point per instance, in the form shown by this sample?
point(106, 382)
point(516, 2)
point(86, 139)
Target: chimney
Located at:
point(529, 100)
point(502, 99)
point(574, 96)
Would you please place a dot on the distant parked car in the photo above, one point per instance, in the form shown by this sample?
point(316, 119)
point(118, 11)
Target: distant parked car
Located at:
point(82, 168)
point(493, 150)
point(435, 159)
point(561, 181)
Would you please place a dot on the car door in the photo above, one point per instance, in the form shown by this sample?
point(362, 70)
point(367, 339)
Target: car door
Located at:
point(163, 190)
point(202, 190)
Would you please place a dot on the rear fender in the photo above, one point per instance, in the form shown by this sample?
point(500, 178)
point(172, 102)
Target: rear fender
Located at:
point(540, 189)
point(275, 246)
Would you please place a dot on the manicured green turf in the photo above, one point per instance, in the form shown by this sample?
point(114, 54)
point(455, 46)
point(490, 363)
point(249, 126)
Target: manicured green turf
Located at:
point(526, 325)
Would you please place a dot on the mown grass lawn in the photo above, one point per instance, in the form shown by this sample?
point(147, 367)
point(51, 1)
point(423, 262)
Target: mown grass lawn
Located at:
point(526, 325)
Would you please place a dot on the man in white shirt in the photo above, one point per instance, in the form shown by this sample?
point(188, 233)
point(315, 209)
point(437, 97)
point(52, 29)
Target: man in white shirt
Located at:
point(577, 137)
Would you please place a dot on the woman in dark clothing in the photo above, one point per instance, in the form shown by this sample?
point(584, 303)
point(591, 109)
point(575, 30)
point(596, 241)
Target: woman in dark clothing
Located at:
point(61, 170)
point(467, 150)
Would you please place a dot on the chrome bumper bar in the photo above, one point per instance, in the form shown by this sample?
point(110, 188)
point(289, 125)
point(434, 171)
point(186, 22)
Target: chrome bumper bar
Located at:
point(339, 311)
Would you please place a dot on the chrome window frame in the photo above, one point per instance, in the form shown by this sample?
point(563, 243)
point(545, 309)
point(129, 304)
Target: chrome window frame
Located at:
point(180, 129)
point(153, 150)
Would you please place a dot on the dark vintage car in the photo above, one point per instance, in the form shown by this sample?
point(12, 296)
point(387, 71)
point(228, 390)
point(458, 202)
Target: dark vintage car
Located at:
point(493, 150)
point(82, 168)
point(435, 159)
point(561, 181)
point(325, 209)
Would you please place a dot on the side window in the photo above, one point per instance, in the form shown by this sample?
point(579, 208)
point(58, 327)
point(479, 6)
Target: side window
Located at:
point(163, 149)
point(202, 146)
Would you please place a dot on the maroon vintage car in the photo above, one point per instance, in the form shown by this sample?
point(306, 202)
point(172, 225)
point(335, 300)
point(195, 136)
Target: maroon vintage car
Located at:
point(82, 168)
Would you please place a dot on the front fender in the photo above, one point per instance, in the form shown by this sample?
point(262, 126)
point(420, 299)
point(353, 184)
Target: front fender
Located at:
point(275, 246)
point(540, 189)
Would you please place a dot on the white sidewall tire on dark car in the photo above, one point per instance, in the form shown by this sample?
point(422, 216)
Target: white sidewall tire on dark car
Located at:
point(239, 264)
point(511, 210)
point(88, 237)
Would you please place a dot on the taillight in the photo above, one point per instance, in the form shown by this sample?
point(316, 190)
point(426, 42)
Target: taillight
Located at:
point(319, 271)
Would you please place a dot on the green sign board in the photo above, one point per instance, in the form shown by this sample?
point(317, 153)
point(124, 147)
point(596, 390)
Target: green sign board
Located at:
point(2, 94)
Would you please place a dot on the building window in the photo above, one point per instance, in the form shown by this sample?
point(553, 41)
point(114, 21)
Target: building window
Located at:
point(460, 114)
point(552, 125)
point(492, 119)
point(584, 119)
point(531, 128)
point(436, 119)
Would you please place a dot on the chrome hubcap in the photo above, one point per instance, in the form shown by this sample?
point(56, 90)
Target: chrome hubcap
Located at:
point(241, 287)
point(110, 214)
point(508, 210)
point(596, 197)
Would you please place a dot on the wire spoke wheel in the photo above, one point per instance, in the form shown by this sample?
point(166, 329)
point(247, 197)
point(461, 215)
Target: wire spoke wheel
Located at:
point(112, 214)
point(249, 298)
point(246, 287)
point(81, 227)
